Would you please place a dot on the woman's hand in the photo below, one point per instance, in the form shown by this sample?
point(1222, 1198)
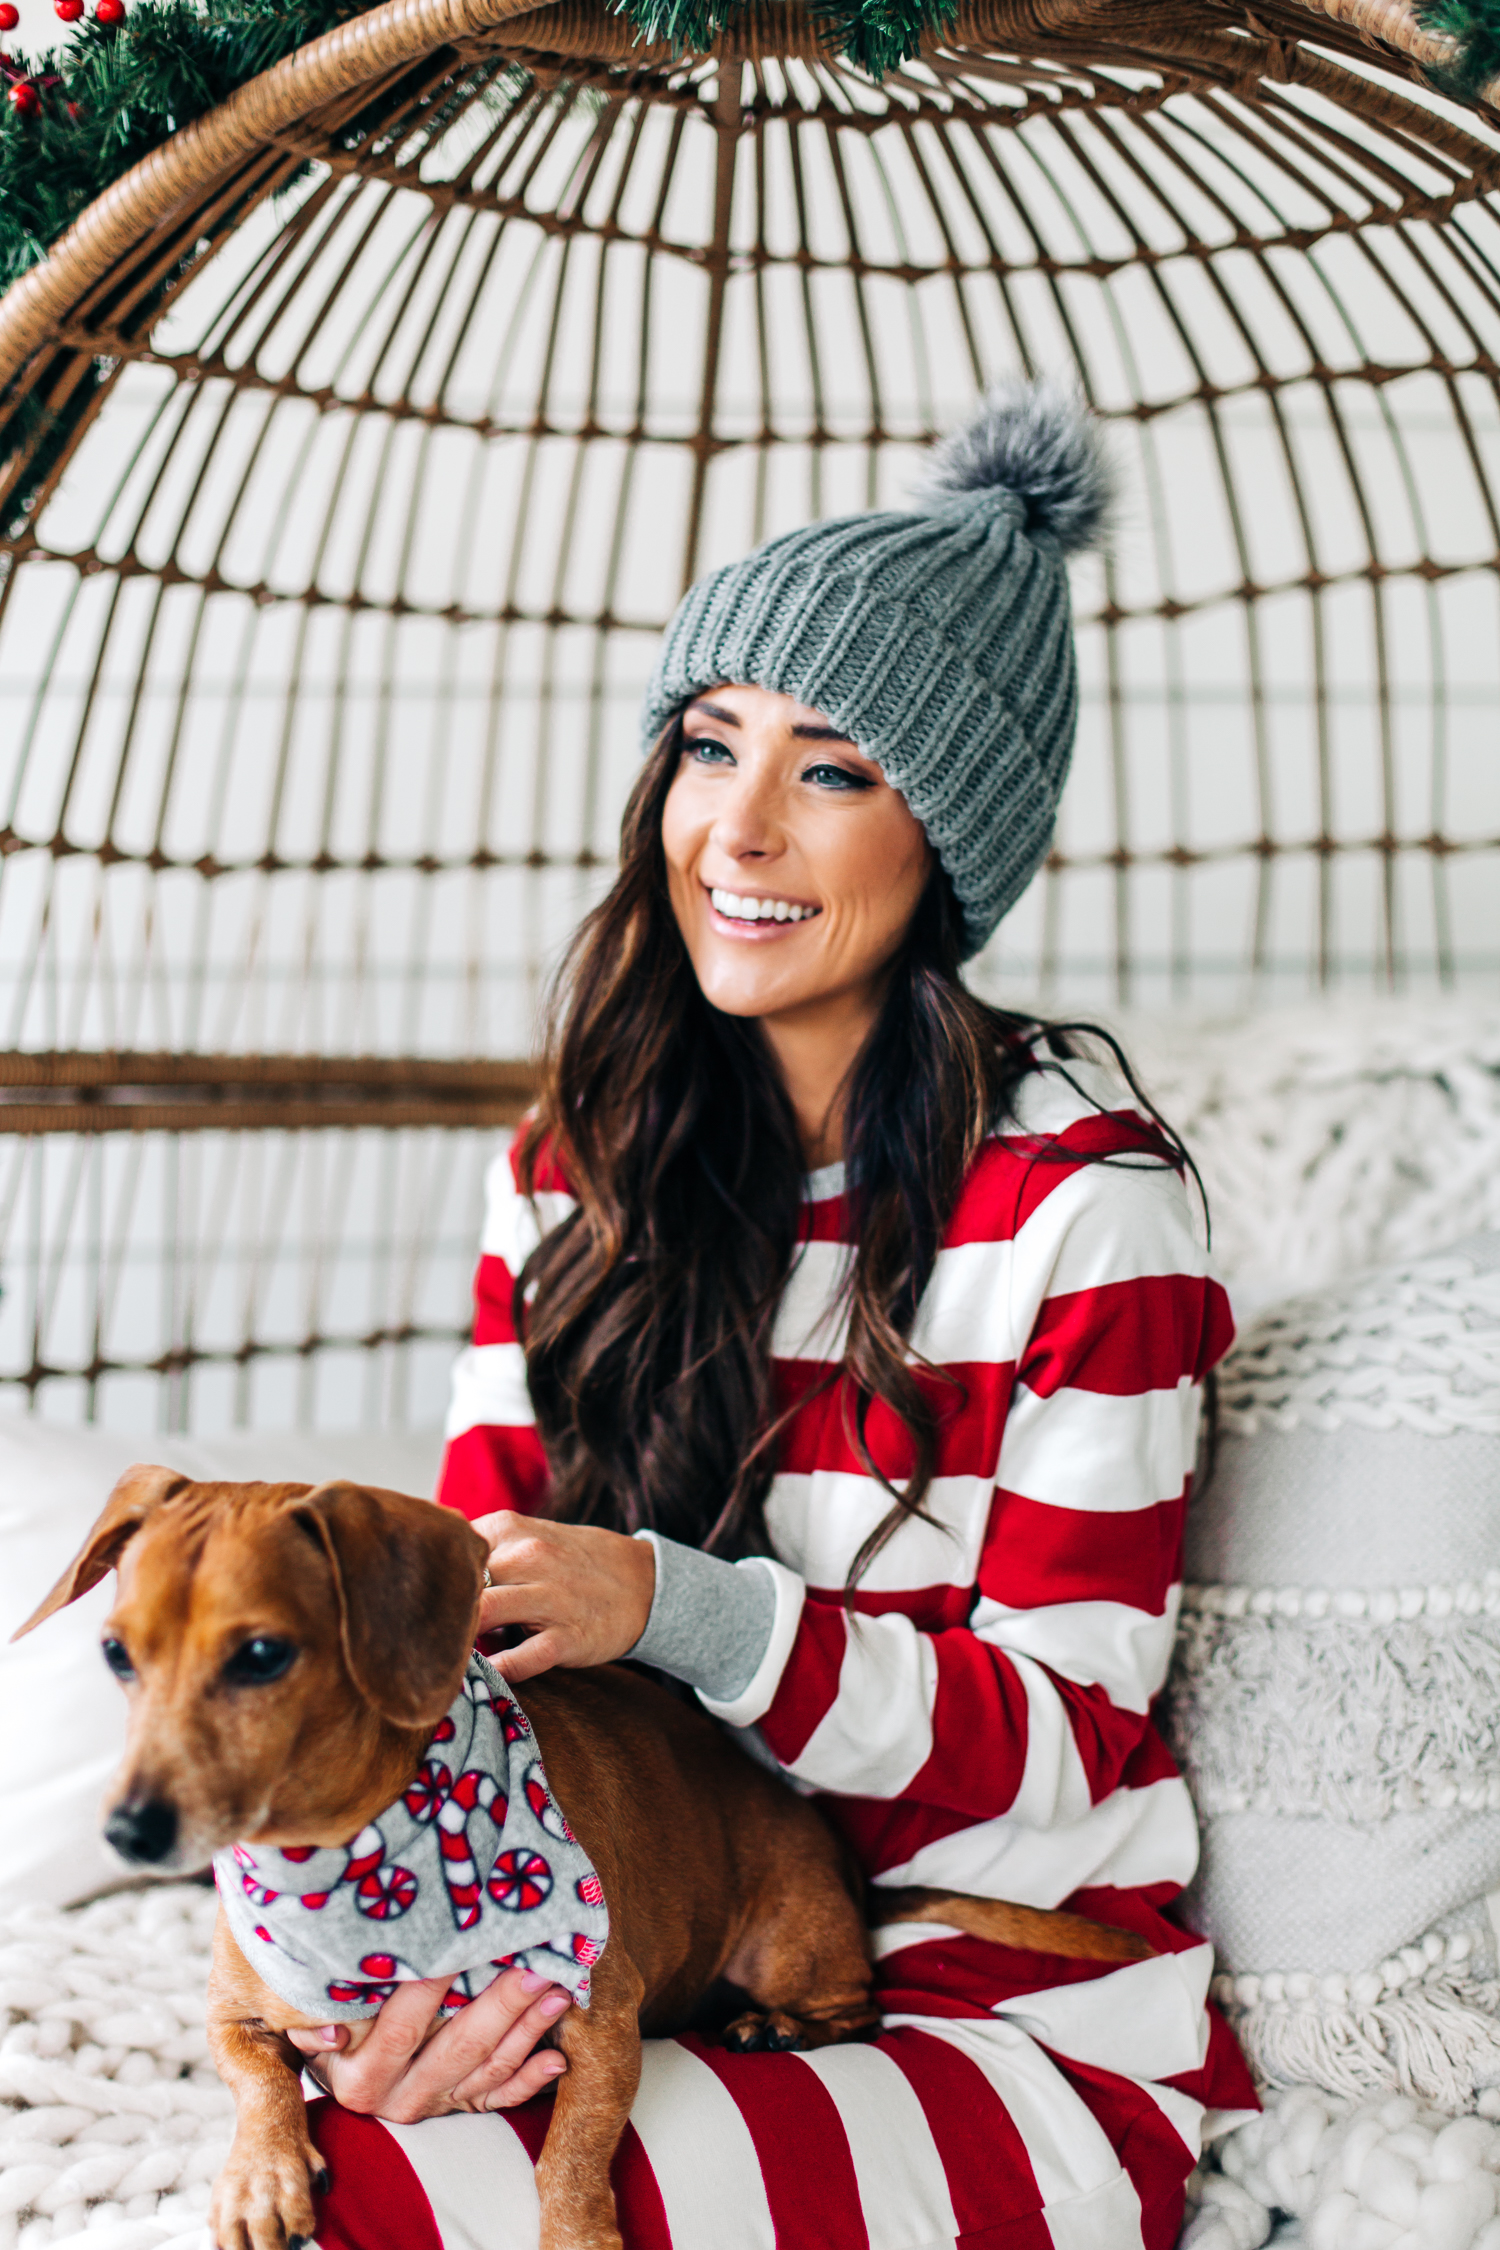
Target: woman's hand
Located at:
point(482, 2058)
point(585, 1594)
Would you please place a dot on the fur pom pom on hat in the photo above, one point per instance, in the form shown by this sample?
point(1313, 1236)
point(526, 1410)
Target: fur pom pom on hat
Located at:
point(939, 637)
point(1037, 441)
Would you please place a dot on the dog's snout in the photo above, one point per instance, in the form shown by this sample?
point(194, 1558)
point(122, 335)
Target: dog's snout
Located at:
point(143, 1829)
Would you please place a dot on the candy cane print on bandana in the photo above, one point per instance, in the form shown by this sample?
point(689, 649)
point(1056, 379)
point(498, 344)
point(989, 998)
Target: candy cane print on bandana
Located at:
point(474, 1868)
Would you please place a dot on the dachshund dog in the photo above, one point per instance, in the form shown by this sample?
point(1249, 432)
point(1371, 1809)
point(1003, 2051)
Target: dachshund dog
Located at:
point(289, 1651)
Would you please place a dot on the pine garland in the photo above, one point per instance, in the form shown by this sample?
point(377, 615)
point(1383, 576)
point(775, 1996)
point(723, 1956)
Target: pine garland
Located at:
point(115, 93)
point(1475, 24)
point(877, 36)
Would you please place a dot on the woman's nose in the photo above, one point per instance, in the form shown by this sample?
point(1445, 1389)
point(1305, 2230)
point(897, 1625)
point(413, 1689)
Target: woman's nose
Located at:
point(745, 825)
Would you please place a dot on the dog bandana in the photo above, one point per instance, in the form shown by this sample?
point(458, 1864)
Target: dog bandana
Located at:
point(473, 1870)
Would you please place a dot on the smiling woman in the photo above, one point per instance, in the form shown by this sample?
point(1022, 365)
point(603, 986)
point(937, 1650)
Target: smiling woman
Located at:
point(838, 1354)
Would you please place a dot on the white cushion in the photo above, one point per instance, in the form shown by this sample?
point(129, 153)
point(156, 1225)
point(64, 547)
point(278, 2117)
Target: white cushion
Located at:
point(62, 1716)
point(1335, 1699)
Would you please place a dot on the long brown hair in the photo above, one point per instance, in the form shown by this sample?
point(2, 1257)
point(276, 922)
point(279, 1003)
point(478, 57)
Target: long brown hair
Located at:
point(647, 1314)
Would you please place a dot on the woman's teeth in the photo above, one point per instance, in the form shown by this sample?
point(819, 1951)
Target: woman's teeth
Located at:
point(759, 909)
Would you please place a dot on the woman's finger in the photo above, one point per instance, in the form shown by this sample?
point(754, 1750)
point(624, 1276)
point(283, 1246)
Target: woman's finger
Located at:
point(516, 1605)
point(520, 1545)
point(535, 2076)
point(367, 2079)
point(537, 1654)
point(501, 2017)
point(319, 2038)
point(517, 2056)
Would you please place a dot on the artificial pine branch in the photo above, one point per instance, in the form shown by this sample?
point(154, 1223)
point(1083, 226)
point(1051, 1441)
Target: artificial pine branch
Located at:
point(120, 92)
point(878, 36)
point(688, 27)
point(107, 100)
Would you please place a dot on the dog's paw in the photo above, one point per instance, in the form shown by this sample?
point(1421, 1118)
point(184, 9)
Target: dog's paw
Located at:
point(263, 2198)
point(755, 2034)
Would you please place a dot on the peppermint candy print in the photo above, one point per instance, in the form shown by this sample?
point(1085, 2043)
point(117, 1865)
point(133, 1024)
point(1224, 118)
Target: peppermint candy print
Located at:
point(387, 1893)
point(513, 1721)
point(586, 1949)
point(590, 1890)
point(426, 1795)
point(520, 1881)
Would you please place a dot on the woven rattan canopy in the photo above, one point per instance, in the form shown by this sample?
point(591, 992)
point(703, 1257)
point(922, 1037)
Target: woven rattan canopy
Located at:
point(377, 420)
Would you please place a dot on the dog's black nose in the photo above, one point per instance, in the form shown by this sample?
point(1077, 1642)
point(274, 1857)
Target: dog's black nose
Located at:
point(143, 1831)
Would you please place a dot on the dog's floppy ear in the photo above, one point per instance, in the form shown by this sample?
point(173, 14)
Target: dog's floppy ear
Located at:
point(140, 1490)
point(408, 1575)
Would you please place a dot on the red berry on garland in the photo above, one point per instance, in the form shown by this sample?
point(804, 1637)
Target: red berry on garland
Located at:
point(9, 16)
point(109, 11)
point(24, 99)
point(68, 10)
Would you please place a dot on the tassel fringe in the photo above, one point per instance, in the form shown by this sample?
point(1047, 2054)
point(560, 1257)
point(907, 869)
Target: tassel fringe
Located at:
point(1439, 2042)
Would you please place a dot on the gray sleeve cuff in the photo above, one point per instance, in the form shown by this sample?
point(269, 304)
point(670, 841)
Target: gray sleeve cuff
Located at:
point(711, 1621)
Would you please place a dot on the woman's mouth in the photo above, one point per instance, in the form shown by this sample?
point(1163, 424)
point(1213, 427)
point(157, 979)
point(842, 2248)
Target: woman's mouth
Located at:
point(744, 914)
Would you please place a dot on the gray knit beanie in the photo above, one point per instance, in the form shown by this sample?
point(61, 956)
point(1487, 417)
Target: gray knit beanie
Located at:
point(940, 639)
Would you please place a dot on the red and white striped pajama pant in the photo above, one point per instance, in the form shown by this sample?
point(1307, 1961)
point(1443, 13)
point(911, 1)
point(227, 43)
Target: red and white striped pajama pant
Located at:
point(955, 2129)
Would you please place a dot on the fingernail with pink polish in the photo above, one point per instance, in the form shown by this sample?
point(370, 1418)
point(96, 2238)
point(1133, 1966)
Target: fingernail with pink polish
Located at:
point(329, 2034)
point(556, 2005)
point(531, 1982)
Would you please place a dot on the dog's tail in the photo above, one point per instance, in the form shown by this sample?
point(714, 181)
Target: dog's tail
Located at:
point(1030, 1929)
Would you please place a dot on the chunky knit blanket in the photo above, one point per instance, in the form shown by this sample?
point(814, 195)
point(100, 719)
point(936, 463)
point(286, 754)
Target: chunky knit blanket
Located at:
point(112, 2119)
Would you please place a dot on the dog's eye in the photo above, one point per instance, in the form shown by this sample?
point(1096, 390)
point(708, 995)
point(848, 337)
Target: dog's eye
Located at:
point(117, 1657)
point(258, 1660)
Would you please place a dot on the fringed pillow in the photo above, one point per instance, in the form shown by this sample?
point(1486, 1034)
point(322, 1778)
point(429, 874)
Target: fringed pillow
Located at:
point(1336, 1695)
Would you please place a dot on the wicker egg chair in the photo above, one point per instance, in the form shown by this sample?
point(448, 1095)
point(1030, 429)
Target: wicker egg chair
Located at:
point(373, 425)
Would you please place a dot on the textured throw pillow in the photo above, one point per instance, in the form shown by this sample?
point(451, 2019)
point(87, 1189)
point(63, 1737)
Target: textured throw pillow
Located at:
point(1336, 1695)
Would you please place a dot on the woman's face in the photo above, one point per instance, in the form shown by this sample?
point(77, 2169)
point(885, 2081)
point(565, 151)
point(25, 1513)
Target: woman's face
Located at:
point(794, 866)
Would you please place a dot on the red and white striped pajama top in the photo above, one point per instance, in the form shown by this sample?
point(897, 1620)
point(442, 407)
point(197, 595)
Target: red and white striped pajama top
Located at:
point(983, 1724)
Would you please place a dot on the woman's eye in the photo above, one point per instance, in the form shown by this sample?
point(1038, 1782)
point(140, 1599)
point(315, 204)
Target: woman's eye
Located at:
point(708, 753)
point(828, 776)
